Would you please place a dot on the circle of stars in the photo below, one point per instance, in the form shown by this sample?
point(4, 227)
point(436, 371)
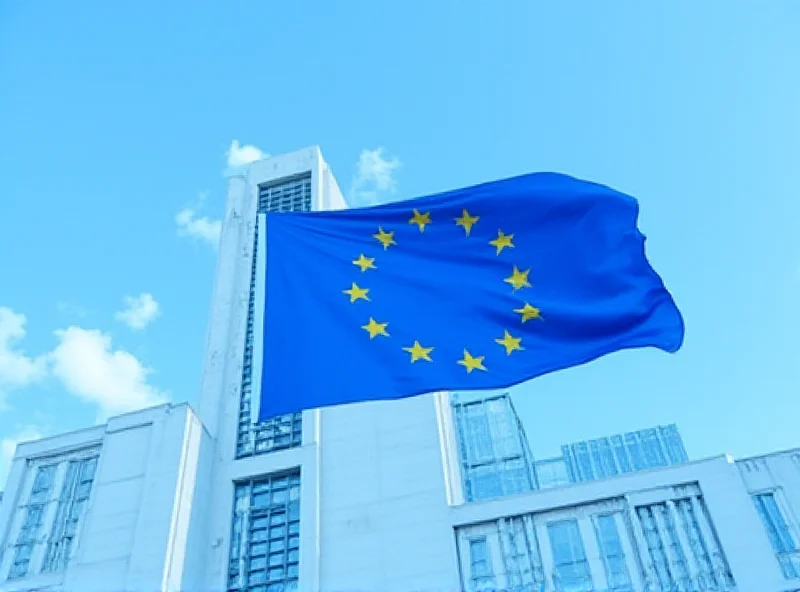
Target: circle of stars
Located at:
point(518, 280)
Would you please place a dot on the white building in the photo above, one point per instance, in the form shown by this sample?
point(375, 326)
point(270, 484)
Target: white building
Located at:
point(365, 497)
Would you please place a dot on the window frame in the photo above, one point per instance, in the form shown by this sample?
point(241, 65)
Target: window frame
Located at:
point(40, 540)
point(787, 515)
point(243, 525)
point(576, 523)
point(596, 518)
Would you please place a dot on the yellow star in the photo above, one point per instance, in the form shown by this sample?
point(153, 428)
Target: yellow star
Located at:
point(365, 263)
point(529, 312)
point(420, 220)
point(385, 238)
point(467, 221)
point(357, 293)
point(375, 328)
point(418, 352)
point(519, 279)
point(510, 343)
point(502, 241)
point(472, 363)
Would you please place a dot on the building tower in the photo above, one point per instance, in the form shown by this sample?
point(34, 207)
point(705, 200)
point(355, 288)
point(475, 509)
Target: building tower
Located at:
point(283, 489)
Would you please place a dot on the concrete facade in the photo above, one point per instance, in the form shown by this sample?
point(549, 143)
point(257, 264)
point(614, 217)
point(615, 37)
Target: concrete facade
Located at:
point(367, 497)
point(139, 529)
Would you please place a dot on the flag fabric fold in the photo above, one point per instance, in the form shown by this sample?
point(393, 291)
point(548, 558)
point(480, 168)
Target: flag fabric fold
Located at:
point(478, 288)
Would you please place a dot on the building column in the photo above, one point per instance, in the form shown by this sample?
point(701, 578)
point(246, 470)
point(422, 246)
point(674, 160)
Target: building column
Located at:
point(674, 559)
point(719, 563)
point(591, 546)
point(627, 539)
point(533, 549)
point(650, 578)
point(212, 385)
point(692, 564)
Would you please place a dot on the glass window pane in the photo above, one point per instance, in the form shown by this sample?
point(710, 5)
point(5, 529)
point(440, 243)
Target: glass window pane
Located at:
point(783, 543)
point(621, 454)
point(257, 563)
point(266, 534)
point(611, 552)
point(571, 567)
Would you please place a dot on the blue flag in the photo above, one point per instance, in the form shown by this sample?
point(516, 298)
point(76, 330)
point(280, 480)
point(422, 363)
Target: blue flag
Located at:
point(478, 288)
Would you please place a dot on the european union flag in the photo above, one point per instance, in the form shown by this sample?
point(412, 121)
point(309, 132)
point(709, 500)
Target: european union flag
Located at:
point(478, 288)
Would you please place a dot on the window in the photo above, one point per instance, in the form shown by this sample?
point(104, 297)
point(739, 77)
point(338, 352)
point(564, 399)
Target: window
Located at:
point(680, 567)
point(521, 557)
point(691, 512)
point(500, 554)
point(66, 484)
point(293, 195)
point(654, 456)
point(579, 461)
point(515, 475)
point(604, 457)
point(480, 567)
point(571, 570)
point(662, 524)
point(33, 521)
point(483, 482)
point(478, 436)
point(265, 536)
point(783, 543)
point(495, 460)
point(655, 546)
point(611, 551)
point(552, 472)
point(635, 451)
point(73, 499)
point(503, 429)
point(584, 461)
point(673, 444)
point(620, 454)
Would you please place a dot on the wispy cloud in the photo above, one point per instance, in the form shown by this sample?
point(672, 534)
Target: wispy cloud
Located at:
point(374, 180)
point(139, 311)
point(89, 368)
point(16, 368)
point(241, 155)
point(201, 228)
point(9, 444)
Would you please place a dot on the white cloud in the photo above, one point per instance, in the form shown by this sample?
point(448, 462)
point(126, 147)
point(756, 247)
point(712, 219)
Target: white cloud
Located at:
point(374, 178)
point(139, 312)
point(115, 380)
point(242, 155)
point(7, 447)
point(16, 369)
point(201, 228)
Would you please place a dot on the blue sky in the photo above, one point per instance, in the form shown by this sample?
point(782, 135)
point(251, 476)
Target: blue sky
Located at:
point(116, 121)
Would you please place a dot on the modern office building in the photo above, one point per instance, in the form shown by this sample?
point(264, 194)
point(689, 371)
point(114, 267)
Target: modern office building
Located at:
point(374, 497)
